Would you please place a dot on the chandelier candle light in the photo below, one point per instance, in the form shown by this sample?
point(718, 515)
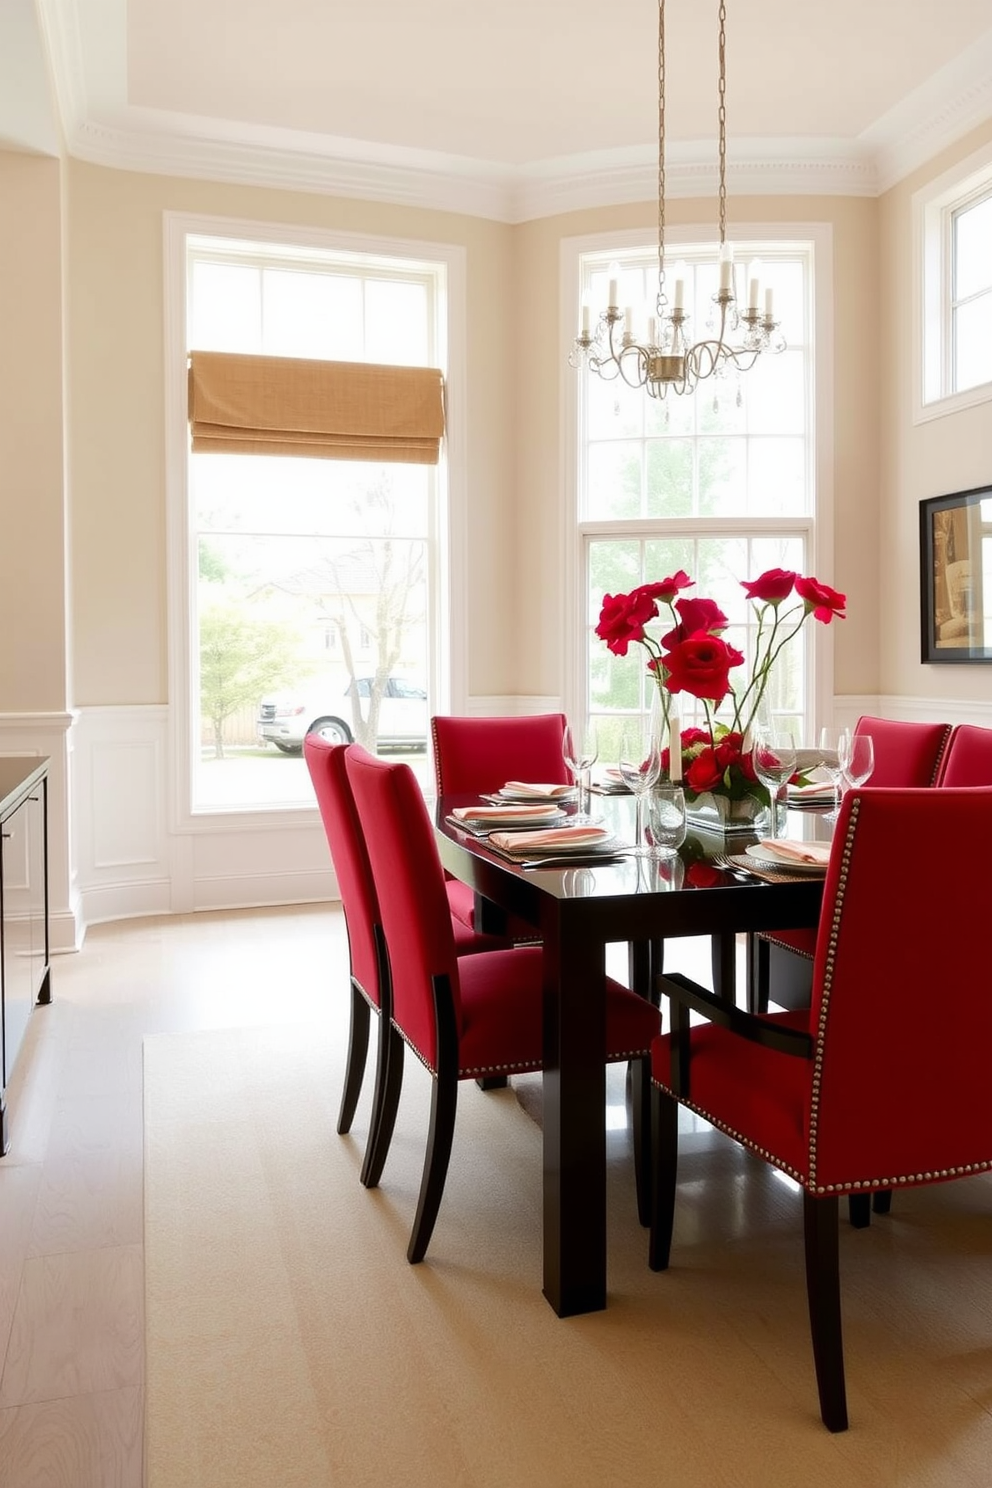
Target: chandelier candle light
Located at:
point(668, 358)
point(693, 657)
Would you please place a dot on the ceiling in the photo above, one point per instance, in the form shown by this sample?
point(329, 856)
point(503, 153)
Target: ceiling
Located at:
point(508, 110)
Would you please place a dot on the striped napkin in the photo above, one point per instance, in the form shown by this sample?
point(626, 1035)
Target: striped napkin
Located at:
point(817, 790)
point(543, 792)
point(505, 813)
point(555, 839)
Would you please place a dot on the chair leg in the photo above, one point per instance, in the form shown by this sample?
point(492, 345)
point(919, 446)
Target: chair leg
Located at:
point(758, 974)
point(665, 1145)
point(640, 1074)
point(444, 1103)
point(493, 1082)
point(823, 1295)
point(358, 1045)
point(859, 1210)
point(881, 1200)
point(388, 1084)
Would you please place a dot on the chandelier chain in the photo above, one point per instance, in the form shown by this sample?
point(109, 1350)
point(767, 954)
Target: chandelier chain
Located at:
point(722, 117)
point(661, 157)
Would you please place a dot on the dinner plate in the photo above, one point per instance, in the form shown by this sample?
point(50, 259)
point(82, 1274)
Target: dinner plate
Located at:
point(781, 865)
point(526, 797)
point(509, 823)
point(606, 847)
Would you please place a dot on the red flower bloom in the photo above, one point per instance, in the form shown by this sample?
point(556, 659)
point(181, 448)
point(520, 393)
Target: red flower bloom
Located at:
point(704, 772)
point(696, 615)
point(701, 666)
point(704, 875)
point(666, 590)
point(823, 601)
point(623, 618)
point(772, 586)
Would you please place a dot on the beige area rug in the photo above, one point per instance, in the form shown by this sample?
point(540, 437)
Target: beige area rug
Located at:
point(290, 1345)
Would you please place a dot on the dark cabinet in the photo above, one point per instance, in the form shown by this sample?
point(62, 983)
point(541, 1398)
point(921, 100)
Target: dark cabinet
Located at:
point(25, 977)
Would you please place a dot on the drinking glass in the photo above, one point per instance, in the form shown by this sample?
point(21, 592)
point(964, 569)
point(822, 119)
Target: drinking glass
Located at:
point(640, 766)
point(666, 818)
point(857, 758)
point(774, 759)
point(580, 751)
point(830, 742)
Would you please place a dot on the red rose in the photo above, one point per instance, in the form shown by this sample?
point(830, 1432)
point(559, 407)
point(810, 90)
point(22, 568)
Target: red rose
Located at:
point(704, 772)
point(823, 601)
point(623, 618)
point(701, 666)
point(691, 736)
point(695, 615)
point(772, 586)
point(665, 590)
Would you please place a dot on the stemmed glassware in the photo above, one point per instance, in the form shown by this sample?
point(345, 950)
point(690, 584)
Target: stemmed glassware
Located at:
point(580, 751)
point(857, 757)
point(666, 818)
point(830, 742)
point(640, 766)
point(774, 759)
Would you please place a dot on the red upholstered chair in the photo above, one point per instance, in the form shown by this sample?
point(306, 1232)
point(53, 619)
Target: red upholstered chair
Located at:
point(906, 754)
point(476, 755)
point(361, 910)
point(885, 1083)
point(968, 757)
point(463, 1017)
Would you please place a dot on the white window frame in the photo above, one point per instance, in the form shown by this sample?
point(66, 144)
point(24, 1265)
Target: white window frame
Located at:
point(818, 525)
point(933, 210)
point(448, 602)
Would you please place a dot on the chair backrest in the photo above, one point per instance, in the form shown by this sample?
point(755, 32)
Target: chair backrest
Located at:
point(481, 754)
point(901, 1009)
point(351, 862)
point(968, 757)
point(906, 754)
point(409, 881)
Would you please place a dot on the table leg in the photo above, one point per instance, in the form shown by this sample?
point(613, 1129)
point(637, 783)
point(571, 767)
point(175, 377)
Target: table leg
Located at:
point(723, 950)
point(574, 1120)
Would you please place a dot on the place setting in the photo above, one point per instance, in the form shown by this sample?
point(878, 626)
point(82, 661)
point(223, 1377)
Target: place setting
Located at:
point(480, 821)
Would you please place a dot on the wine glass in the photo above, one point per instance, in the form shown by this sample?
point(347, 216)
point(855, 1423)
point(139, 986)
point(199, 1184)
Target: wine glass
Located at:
point(774, 759)
point(640, 766)
point(857, 758)
point(830, 742)
point(580, 751)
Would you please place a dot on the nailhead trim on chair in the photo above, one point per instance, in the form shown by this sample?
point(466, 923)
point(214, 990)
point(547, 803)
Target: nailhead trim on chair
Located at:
point(785, 946)
point(504, 1069)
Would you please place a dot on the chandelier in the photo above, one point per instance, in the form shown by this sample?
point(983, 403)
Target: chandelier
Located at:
point(667, 358)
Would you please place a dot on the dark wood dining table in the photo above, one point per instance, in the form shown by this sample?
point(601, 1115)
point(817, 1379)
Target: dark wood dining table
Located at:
point(579, 910)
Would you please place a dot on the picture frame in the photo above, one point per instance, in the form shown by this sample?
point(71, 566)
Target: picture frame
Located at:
point(955, 572)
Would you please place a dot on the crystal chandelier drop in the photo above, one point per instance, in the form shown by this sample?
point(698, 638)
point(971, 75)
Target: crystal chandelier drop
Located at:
point(668, 359)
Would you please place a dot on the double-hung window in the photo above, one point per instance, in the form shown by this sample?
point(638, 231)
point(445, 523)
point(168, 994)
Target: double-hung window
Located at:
point(720, 482)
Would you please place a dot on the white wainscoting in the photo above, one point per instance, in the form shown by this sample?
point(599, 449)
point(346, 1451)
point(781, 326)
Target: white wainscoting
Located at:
point(127, 859)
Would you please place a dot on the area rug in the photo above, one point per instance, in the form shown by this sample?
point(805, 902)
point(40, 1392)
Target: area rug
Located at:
point(290, 1344)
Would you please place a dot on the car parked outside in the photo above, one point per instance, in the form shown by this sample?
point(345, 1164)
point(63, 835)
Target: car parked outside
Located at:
point(285, 719)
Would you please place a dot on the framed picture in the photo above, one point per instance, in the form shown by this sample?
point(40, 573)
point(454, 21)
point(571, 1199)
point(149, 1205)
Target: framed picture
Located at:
point(956, 576)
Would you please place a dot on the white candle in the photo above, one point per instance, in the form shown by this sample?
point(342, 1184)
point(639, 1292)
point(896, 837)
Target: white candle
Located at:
point(675, 751)
point(726, 265)
point(652, 330)
point(679, 286)
point(769, 302)
point(754, 273)
point(585, 313)
point(628, 320)
point(614, 273)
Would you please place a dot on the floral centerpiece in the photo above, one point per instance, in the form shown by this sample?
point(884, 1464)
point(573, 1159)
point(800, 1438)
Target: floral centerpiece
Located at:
point(693, 657)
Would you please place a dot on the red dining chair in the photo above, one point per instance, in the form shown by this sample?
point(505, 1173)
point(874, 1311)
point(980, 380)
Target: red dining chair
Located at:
point(326, 765)
point(476, 755)
point(885, 1083)
point(968, 757)
point(906, 754)
point(463, 1017)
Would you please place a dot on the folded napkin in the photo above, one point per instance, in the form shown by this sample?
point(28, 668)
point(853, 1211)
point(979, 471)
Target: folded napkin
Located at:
point(815, 853)
point(812, 792)
point(503, 813)
point(526, 788)
point(555, 839)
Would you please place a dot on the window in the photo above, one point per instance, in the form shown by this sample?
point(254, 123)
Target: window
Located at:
point(721, 483)
point(317, 587)
point(954, 231)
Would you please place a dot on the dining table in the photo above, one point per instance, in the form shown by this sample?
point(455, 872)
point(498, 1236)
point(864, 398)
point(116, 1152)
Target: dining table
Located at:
point(577, 910)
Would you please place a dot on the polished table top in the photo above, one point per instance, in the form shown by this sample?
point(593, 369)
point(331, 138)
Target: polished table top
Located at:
point(578, 911)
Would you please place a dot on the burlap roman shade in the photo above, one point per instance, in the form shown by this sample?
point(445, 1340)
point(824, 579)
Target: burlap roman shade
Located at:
point(262, 405)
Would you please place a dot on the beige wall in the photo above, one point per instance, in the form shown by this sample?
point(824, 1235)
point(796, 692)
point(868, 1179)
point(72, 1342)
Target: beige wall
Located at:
point(541, 384)
point(32, 535)
point(934, 458)
point(116, 390)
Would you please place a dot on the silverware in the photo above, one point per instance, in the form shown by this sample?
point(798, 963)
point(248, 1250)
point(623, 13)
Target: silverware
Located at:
point(736, 870)
point(571, 860)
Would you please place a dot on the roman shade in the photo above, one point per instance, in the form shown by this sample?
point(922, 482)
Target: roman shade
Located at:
point(262, 405)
